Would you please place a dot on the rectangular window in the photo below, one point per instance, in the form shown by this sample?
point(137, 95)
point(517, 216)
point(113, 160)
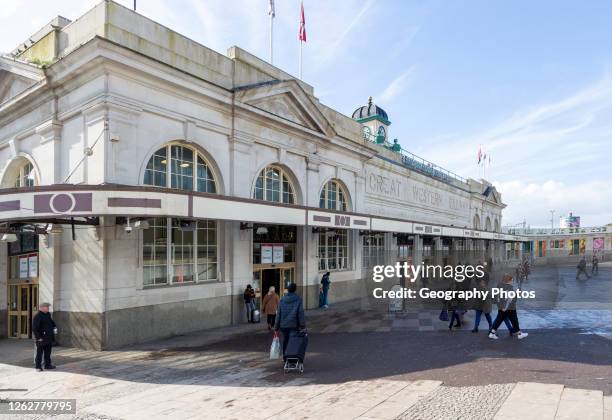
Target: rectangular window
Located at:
point(155, 252)
point(207, 250)
point(192, 250)
point(333, 250)
point(373, 250)
point(181, 252)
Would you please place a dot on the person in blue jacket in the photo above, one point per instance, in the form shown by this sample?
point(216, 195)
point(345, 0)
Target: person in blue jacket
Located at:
point(290, 315)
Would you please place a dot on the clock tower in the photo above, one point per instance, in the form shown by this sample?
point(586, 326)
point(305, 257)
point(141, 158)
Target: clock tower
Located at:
point(374, 122)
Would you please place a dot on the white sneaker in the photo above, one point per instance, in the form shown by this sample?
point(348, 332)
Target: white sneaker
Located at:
point(522, 335)
point(493, 336)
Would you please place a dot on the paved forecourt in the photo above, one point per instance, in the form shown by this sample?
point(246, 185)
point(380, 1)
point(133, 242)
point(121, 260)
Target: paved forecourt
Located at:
point(227, 385)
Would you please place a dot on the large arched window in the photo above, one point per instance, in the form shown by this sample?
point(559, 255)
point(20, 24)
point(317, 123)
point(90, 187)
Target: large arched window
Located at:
point(25, 175)
point(488, 224)
point(333, 196)
point(333, 244)
point(180, 167)
point(274, 184)
point(476, 222)
point(177, 251)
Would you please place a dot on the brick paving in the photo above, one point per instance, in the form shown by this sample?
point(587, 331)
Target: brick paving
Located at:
point(475, 402)
point(362, 363)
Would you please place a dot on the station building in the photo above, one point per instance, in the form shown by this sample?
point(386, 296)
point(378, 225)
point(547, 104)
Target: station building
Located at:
point(147, 179)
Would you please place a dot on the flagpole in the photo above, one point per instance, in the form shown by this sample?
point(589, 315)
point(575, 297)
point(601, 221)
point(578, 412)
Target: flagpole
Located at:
point(302, 34)
point(301, 43)
point(271, 38)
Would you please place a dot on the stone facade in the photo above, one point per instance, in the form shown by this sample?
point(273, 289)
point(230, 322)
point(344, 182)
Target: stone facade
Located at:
point(119, 87)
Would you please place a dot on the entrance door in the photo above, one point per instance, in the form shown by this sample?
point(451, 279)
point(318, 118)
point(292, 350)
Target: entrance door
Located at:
point(271, 277)
point(22, 305)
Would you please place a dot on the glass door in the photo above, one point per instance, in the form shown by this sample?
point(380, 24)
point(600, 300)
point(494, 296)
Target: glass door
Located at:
point(22, 304)
point(26, 300)
point(13, 311)
point(287, 276)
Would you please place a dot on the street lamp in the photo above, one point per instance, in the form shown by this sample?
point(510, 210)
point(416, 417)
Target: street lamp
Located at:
point(552, 220)
point(8, 237)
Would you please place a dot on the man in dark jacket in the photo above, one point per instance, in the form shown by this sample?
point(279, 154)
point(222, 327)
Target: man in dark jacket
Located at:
point(289, 315)
point(582, 268)
point(44, 330)
point(325, 284)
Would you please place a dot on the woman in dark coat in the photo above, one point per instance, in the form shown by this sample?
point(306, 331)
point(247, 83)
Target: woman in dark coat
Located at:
point(249, 301)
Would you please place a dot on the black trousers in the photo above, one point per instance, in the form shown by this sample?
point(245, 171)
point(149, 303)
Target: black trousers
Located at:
point(285, 333)
point(511, 315)
point(454, 317)
point(271, 319)
point(43, 350)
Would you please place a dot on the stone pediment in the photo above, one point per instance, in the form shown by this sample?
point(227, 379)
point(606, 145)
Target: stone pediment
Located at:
point(286, 100)
point(15, 77)
point(494, 197)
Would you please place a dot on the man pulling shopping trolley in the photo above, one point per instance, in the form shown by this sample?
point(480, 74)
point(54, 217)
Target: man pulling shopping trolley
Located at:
point(291, 323)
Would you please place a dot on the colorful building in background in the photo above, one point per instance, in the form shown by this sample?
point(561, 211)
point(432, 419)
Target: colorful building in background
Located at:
point(562, 245)
point(569, 221)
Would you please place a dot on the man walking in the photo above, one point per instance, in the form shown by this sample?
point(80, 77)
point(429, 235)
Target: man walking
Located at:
point(581, 268)
point(595, 265)
point(44, 330)
point(325, 284)
point(290, 315)
point(507, 310)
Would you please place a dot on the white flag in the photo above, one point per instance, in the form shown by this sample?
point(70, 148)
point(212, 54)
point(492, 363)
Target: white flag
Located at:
point(271, 10)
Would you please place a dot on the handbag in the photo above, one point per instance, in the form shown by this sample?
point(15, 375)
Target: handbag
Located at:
point(275, 352)
point(443, 315)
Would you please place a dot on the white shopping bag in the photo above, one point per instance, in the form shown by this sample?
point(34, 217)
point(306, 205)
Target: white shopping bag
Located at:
point(275, 350)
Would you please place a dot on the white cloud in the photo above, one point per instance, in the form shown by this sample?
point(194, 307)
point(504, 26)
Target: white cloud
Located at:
point(397, 86)
point(346, 28)
point(534, 140)
point(533, 201)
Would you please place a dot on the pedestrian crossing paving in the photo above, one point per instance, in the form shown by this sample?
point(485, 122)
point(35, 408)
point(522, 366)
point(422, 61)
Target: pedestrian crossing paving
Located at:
point(367, 320)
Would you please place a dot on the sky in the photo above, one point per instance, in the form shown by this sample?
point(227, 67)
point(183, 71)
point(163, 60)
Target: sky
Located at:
point(530, 83)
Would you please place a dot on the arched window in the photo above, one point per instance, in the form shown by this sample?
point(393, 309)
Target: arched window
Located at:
point(333, 244)
point(496, 225)
point(273, 184)
point(25, 176)
point(186, 169)
point(177, 251)
point(488, 224)
point(476, 222)
point(333, 196)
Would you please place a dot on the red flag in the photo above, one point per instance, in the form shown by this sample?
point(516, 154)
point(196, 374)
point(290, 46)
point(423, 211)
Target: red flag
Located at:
point(302, 34)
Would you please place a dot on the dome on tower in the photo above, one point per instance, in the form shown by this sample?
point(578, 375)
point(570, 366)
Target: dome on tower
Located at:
point(370, 110)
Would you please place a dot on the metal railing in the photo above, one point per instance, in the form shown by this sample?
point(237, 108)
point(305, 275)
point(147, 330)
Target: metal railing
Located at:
point(419, 164)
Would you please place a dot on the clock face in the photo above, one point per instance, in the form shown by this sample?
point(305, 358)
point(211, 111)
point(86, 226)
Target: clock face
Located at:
point(366, 132)
point(381, 131)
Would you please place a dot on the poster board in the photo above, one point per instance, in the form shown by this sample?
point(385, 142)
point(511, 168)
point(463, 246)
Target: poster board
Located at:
point(278, 254)
point(33, 265)
point(23, 267)
point(266, 254)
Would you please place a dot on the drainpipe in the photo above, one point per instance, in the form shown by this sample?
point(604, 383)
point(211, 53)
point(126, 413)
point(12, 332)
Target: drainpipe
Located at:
point(230, 266)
